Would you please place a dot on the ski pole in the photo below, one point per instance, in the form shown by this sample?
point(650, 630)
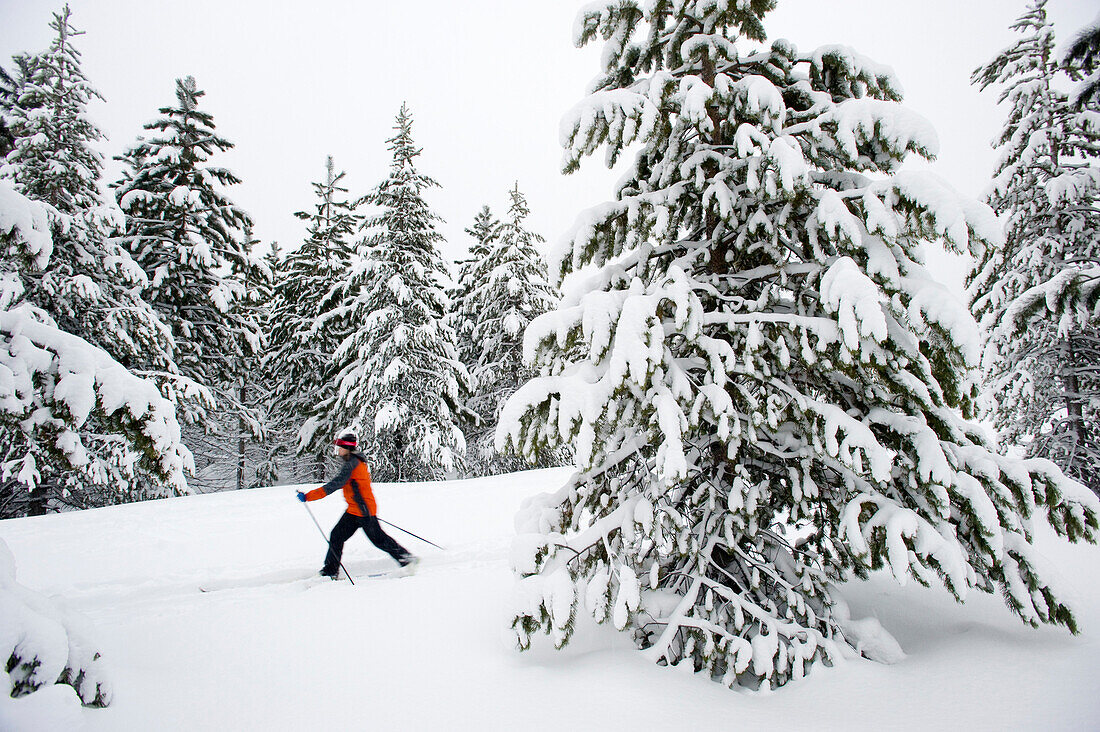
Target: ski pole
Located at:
point(437, 546)
point(322, 531)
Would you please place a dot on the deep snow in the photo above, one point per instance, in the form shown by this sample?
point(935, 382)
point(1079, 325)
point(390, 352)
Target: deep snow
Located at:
point(435, 651)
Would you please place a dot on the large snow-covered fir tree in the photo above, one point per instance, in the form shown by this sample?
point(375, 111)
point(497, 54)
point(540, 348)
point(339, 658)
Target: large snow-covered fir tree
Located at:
point(307, 323)
point(86, 285)
point(73, 420)
point(763, 385)
point(502, 289)
point(398, 372)
point(189, 238)
point(1037, 295)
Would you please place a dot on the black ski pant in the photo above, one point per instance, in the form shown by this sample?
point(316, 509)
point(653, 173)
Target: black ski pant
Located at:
point(343, 531)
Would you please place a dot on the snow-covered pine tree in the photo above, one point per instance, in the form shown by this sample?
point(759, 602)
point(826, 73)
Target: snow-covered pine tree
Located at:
point(461, 317)
point(1037, 295)
point(253, 385)
point(761, 381)
point(273, 457)
point(72, 418)
point(189, 238)
point(87, 285)
point(308, 323)
point(472, 271)
point(233, 454)
point(399, 376)
point(53, 159)
point(507, 289)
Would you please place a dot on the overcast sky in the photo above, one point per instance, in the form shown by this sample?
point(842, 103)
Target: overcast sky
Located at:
point(487, 81)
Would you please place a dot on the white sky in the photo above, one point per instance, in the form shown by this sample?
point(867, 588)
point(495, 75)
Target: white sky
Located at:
point(487, 81)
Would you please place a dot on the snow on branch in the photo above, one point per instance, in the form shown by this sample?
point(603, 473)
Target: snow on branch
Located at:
point(857, 302)
point(967, 225)
point(1073, 186)
point(616, 117)
point(85, 378)
point(28, 222)
point(908, 537)
point(860, 122)
point(1072, 295)
point(843, 68)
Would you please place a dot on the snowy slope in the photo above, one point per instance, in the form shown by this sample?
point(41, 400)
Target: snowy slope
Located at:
point(434, 651)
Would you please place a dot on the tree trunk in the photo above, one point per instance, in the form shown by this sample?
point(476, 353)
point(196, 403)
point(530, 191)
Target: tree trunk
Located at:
point(718, 251)
point(1072, 387)
point(241, 439)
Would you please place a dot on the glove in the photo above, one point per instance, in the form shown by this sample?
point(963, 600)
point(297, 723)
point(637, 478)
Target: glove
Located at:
point(301, 497)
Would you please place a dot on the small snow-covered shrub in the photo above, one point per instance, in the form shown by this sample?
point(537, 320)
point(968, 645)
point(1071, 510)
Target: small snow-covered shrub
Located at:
point(43, 644)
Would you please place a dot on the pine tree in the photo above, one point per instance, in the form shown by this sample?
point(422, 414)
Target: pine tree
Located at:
point(1037, 294)
point(52, 159)
point(85, 284)
point(308, 322)
point(255, 418)
point(76, 426)
point(508, 288)
point(472, 271)
point(764, 388)
point(462, 316)
point(232, 453)
point(273, 458)
point(190, 240)
point(399, 377)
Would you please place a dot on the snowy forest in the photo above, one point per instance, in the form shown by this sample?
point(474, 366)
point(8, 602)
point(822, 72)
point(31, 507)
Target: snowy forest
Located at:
point(759, 382)
point(255, 357)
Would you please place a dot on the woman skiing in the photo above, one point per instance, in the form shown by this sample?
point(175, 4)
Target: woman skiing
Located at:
point(354, 479)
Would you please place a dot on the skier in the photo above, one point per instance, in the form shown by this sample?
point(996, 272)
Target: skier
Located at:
point(354, 479)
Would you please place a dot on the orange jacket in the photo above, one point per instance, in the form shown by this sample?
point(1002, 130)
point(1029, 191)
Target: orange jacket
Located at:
point(354, 478)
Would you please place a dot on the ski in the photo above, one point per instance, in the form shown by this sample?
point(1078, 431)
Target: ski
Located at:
point(220, 587)
point(311, 580)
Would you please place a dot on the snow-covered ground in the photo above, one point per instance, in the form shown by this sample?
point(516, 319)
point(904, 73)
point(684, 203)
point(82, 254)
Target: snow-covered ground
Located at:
point(435, 651)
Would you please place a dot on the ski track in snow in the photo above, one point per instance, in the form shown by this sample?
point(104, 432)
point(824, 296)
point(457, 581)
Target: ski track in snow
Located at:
point(271, 647)
point(274, 577)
